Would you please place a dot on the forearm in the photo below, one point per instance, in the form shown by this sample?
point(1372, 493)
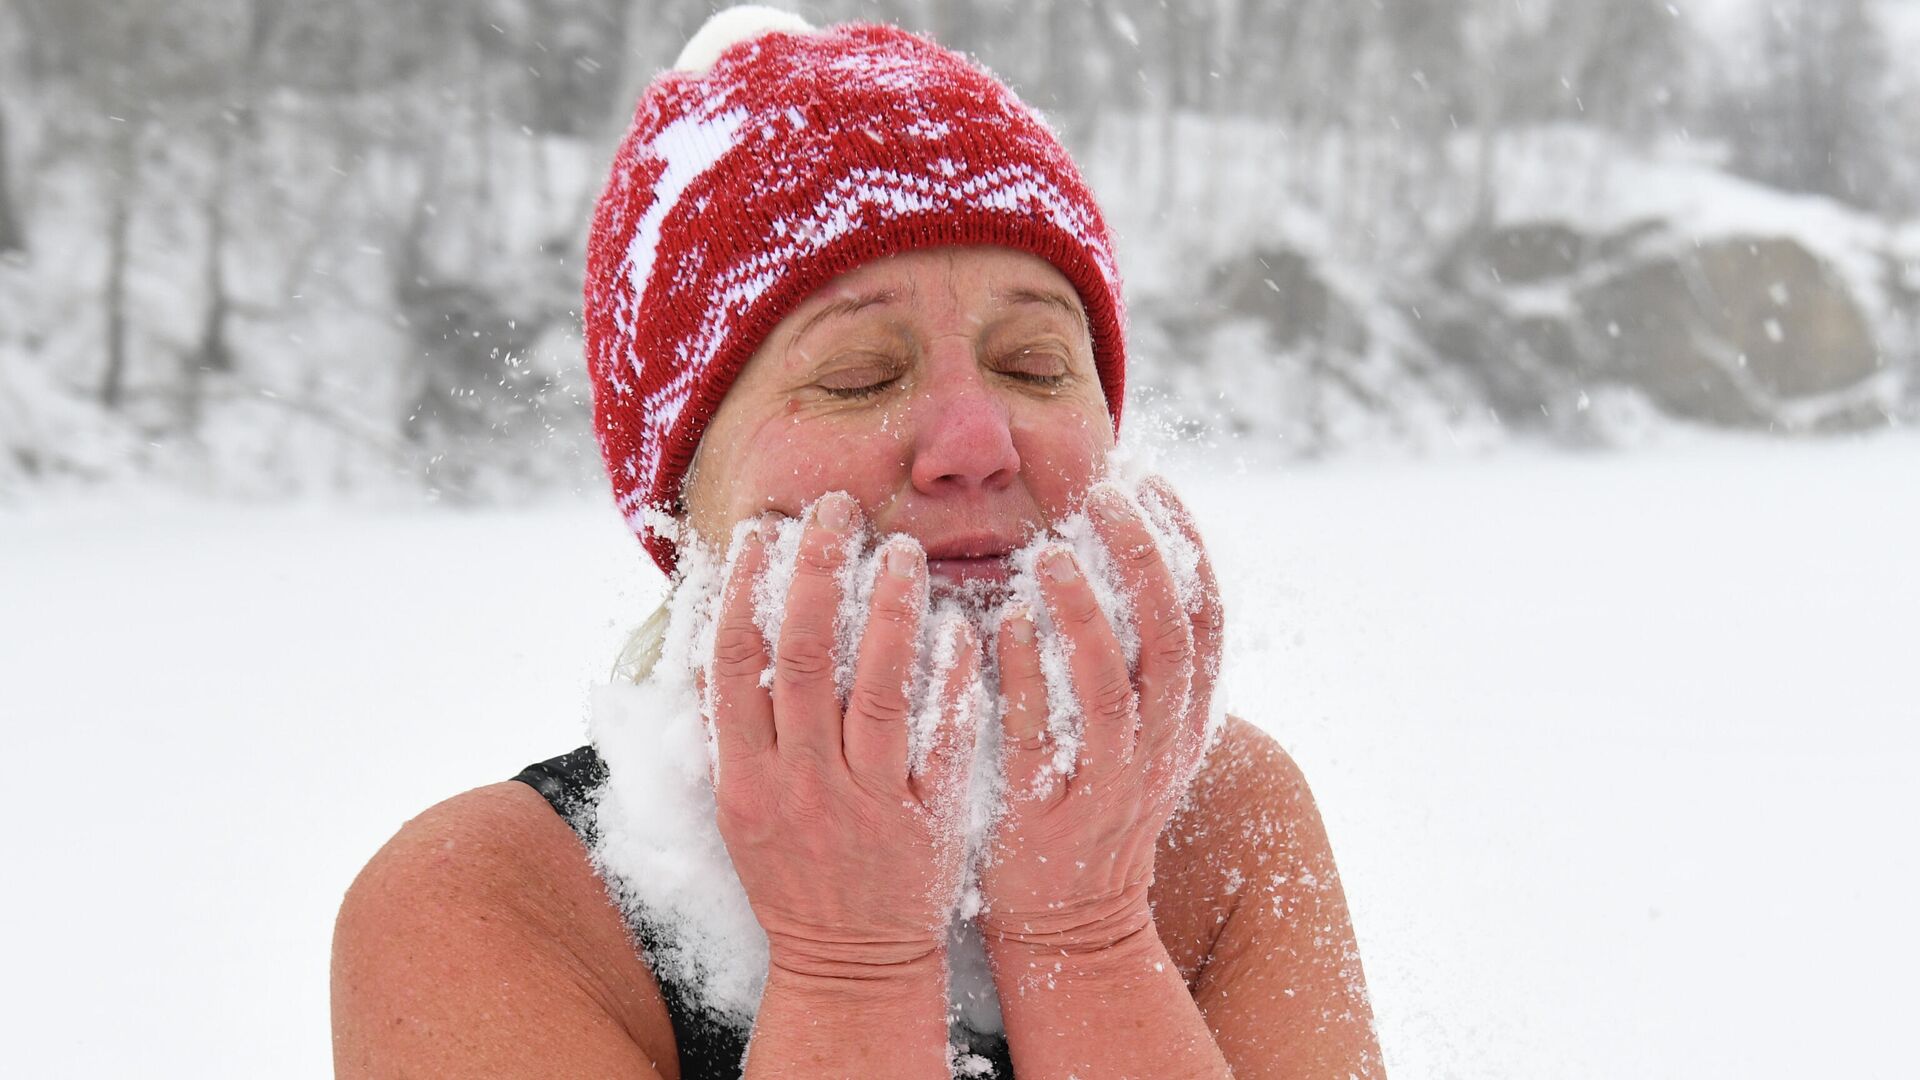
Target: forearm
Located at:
point(1120, 1010)
point(836, 1020)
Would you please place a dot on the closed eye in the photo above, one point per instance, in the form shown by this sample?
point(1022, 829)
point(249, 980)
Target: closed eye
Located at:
point(1036, 366)
point(861, 374)
point(1036, 380)
point(849, 393)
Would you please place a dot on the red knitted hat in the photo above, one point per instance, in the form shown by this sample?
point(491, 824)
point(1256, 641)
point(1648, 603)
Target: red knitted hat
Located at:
point(740, 190)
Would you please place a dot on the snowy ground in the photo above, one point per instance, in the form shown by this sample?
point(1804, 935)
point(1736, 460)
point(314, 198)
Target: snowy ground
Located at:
point(1617, 753)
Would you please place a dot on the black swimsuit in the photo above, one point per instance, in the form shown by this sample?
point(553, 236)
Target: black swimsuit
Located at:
point(709, 1048)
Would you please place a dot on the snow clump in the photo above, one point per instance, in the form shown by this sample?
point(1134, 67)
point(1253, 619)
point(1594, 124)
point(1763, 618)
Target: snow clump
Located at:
point(656, 841)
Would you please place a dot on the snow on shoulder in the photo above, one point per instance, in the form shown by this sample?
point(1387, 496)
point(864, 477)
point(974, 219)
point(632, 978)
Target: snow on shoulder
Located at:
point(732, 26)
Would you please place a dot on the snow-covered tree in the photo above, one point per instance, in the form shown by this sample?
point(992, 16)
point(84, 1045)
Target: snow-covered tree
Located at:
point(1813, 114)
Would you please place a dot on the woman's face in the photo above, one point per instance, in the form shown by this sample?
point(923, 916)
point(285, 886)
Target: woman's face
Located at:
point(951, 391)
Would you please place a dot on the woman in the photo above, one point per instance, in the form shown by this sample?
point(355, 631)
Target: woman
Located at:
point(844, 275)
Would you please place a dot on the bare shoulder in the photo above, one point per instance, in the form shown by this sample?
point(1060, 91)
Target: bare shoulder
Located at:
point(1259, 919)
point(1247, 763)
point(479, 941)
point(1249, 811)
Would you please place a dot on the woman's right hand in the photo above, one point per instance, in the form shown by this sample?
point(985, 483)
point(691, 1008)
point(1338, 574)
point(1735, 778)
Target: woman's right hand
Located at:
point(850, 857)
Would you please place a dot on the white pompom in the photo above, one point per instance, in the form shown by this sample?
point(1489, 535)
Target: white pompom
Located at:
point(732, 26)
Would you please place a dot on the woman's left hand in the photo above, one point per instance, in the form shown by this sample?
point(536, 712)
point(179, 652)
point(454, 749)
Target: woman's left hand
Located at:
point(1072, 855)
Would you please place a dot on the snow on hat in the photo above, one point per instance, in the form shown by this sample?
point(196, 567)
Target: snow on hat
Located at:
point(771, 159)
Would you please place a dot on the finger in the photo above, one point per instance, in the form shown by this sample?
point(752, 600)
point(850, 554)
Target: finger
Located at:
point(1208, 612)
point(877, 708)
point(1165, 677)
point(1208, 615)
point(806, 703)
point(1096, 665)
point(1026, 754)
point(940, 781)
point(741, 710)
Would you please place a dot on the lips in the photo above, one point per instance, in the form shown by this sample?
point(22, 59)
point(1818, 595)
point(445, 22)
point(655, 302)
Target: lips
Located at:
point(964, 571)
point(963, 559)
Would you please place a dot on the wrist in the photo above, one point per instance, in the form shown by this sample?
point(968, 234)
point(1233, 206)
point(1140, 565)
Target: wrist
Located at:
point(1072, 943)
point(1079, 928)
point(829, 1015)
point(1109, 962)
point(852, 965)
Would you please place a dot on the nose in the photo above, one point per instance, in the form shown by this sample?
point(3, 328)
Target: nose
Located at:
point(965, 440)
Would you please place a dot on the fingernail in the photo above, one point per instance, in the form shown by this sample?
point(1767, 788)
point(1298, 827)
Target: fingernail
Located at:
point(1109, 505)
point(767, 527)
point(1060, 566)
point(900, 561)
point(957, 634)
point(1023, 626)
point(833, 512)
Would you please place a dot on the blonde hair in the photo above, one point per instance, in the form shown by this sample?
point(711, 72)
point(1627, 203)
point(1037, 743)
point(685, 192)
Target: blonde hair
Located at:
point(641, 653)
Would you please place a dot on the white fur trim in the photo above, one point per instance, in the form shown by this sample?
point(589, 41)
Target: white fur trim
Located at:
point(732, 26)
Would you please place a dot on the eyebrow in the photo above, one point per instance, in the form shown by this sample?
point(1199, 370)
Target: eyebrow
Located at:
point(1024, 295)
point(846, 305)
point(1019, 294)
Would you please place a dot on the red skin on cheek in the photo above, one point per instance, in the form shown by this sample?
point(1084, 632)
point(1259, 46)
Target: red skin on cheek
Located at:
point(956, 449)
point(788, 461)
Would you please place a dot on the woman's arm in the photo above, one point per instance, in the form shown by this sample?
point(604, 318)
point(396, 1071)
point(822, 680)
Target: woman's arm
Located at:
point(1246, 887)
point(1118, 1010)
point(852, 1020)
point(1282, 986)
point(1086, 985)
point(1085, 980)
point(847, 849)
point(478, 942)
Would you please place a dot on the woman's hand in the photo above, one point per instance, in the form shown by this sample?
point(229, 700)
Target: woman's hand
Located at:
point(1072, 856)
point(850, 858)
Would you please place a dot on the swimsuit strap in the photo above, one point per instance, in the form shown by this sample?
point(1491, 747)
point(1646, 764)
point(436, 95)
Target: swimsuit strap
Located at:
point(708, 1048)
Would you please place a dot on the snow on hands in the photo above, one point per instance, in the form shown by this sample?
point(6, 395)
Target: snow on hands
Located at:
point(804, 782)
point(854, 718)
point(1070, 862)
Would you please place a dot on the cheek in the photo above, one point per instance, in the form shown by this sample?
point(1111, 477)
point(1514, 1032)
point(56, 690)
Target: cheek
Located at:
point(785, 465)
point(1062, 456)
